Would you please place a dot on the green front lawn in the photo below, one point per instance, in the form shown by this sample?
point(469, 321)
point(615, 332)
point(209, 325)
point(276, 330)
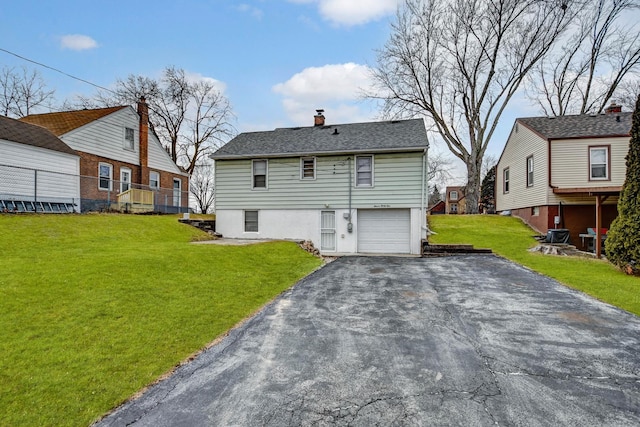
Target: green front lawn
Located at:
point(511, 238)
point(96, 307)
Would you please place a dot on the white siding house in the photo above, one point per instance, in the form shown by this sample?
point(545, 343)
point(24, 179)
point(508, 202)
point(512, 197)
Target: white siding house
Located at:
point(349, 188)
point(565, 172)
point(37, 170)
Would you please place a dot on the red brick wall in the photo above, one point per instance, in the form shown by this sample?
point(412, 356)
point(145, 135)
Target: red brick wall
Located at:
point(576, 218)
point(89, 179)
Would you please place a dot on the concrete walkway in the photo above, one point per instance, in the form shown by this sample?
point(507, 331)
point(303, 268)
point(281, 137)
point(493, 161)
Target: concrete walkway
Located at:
point(465, 340)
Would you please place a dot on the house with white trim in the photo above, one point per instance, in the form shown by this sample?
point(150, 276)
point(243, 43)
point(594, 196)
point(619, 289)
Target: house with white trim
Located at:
point(348, 188)
point(565, 172)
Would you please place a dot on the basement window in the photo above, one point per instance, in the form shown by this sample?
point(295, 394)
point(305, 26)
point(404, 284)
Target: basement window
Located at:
point(251, 221)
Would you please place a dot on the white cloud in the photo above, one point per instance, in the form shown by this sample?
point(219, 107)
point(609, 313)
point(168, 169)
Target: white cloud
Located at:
point(253, 11)
point(77, 42)
point(353, 12)
point(196, 77)
point(336, 88)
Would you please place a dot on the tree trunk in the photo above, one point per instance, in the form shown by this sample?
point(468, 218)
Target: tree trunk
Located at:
point(472, 191)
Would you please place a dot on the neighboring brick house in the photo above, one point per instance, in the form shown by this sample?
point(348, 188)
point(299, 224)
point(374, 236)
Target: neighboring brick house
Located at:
point(565, 172)
point(118, 153)
point(455, 202)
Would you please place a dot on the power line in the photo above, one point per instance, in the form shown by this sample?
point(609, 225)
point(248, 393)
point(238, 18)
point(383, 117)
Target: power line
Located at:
point(56, 70)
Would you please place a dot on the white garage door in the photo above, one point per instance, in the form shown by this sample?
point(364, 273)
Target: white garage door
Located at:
point(384, 231)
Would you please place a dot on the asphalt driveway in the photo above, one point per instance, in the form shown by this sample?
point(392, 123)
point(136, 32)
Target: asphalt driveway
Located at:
point(465, 340)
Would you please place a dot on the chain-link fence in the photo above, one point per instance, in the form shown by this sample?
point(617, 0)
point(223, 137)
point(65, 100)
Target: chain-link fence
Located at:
point(36, 190)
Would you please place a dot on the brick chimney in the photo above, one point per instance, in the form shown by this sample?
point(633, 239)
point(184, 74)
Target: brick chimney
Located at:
point(319, 118)
point(143, 112)
point(613, 108)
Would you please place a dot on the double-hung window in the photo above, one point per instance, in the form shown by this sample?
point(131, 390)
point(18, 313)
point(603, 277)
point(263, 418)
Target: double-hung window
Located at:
point(453, 195)
point(364, 171)
point(530, 171)
point(259, 174)
point(598, 163)
point(154, 180)
point(129, 139)
point(105, 176)
point(505, 180)
point(308, 168)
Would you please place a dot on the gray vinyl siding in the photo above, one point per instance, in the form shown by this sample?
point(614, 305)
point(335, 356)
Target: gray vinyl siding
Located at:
point(159, 159)
point(105, 137)
point(397, 183)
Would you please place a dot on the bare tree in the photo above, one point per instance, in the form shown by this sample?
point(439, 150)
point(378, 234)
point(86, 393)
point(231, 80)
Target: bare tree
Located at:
point(439, 169)
point(627, 93)
point(23, 91)
point(459, 62)
point(489, 161)
point(191, 117)
point(597, 55)
point(201, 187)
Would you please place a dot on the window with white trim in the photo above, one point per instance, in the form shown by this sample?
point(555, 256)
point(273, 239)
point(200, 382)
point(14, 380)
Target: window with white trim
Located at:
point(251, 221)
point(154, 180)
point(177, 192)
point(105, 176)
point(308, 168)
point(598, 163)
point(453, 195)
point(259, 174)
point(364, 171)
point(129, 139)
point(505, 180)
point(530, 171)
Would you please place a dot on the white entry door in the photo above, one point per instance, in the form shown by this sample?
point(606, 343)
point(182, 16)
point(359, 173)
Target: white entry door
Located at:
point(328, 231)
point(384, 231)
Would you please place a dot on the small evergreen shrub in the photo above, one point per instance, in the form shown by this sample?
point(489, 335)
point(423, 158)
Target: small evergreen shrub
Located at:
point(623, 240)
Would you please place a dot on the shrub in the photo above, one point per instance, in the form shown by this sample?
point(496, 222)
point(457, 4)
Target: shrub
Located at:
point(623, 240)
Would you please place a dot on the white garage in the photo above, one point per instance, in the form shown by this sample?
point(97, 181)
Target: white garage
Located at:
point(384, 231)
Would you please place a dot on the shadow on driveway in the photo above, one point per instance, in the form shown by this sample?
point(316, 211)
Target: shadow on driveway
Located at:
point(464, 340)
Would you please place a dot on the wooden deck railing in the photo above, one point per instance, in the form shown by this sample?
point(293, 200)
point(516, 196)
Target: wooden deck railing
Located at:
point(136, 200)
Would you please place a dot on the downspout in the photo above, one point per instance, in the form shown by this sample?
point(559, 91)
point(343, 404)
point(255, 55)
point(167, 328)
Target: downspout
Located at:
point(350, 224)
point(423, 212)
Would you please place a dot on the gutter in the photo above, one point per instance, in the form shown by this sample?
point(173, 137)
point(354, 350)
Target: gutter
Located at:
point(315, 153)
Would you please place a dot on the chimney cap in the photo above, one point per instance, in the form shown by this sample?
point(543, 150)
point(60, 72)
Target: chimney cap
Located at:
point(320, 111)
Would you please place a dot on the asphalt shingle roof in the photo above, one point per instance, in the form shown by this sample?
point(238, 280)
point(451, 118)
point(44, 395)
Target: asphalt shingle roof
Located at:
point(388, 136)
point(26, 133)
point(66, 121)
point(582, 126)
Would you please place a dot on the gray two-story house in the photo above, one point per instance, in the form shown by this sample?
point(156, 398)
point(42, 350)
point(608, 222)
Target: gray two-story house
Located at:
point(348, 188)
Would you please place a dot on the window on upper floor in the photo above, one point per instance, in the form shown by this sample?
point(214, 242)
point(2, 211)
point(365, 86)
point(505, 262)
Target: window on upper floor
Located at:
point(364, 171)
point(530, 171)
point(129, 139)
point(259, 174)
point(599, 163)
point(105, 176)
point(505, 180)
point(453, 195)
point(308, 168)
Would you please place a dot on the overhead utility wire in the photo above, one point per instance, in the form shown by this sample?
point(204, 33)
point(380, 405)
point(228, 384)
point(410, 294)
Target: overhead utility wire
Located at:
point(56, 70)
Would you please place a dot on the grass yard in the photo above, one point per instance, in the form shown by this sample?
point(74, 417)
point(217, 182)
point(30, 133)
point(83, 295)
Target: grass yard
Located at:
point(96, 307)
point(510, 238)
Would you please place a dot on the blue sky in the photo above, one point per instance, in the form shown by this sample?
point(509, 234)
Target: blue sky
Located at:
point(276, 60)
